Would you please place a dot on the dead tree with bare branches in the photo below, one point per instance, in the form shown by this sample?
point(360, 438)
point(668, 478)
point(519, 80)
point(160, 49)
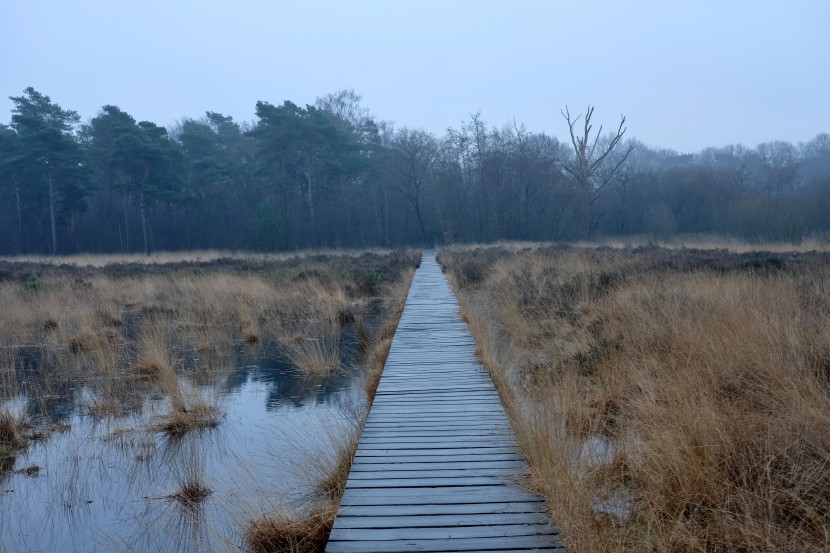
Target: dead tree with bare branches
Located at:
point(585, 167)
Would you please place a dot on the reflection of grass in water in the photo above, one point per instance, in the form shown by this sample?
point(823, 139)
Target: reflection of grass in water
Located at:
point(188, 408)
point(188, 471)
point(180, 520)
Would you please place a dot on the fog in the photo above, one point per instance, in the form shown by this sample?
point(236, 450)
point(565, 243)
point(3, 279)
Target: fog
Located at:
point(686, 77)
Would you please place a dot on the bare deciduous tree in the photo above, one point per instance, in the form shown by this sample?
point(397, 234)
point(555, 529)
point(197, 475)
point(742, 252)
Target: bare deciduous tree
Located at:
point(416, 151)
point(585, 166)
point(779, 161)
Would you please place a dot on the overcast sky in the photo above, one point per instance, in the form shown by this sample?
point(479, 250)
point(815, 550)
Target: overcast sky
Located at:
point(686, 74)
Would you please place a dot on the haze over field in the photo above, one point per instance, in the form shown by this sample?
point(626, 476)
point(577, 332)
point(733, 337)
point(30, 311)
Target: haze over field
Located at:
point(687, 77)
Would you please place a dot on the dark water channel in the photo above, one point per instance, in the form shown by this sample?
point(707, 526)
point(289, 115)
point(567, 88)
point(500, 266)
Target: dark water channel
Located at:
point(105, 484)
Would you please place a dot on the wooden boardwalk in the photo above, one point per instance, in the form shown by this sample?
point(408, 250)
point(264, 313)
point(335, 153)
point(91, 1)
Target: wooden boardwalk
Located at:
point(437, 467)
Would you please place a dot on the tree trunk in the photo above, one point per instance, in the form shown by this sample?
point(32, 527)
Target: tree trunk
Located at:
point(417, 205)
point(126, 242)
point(21, 239)
point(52, 200)
point(385, 218)
point(346, 207)
point(310, 202)
point(142, 210)
point(589, 214)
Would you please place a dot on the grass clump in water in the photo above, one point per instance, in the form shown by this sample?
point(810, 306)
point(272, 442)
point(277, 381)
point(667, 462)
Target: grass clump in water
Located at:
point(12, 428)
point(286, 533)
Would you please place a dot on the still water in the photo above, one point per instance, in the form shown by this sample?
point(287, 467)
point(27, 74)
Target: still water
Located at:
point(108, 484)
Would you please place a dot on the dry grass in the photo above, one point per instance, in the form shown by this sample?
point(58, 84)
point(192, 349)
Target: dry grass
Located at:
point(291, 532)
point(681, 241)
point(313, 348)
point(122, 328)
point(665, 399)
point(191, 492)
point(12, 431)
point(192, 413)
point(167, 258)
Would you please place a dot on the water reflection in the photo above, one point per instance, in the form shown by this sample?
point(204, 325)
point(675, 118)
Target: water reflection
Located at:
point(116, 483)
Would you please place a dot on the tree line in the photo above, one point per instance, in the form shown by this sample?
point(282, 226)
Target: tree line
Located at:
point(332, 175)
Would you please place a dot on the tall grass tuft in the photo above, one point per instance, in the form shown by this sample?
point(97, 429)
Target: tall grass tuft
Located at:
point(12, 436)
point(315, 347)
point(291, 532)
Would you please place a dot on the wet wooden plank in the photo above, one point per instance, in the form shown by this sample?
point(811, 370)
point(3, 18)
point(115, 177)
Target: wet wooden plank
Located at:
point(437, 468)
point(453, 509)
point(444, 520)
point(514, 543)
point(431, 482)
point(394, 443)
point(428, 497)
point(481, 432)
point(435, 452)
point(445, 465)
point(369, 460)
point(339, 533)
point(421, 458)
point(433, 472)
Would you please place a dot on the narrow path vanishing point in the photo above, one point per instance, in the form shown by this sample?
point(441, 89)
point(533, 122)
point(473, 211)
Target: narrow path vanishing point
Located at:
point(437, 466)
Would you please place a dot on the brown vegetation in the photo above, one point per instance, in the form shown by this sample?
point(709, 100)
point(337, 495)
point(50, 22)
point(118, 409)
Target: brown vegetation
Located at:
point(11, 431)
point(665, 399)
point(290, 532)
point(123, 325)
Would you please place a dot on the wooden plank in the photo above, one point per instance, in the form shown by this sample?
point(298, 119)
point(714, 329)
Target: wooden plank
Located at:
point(424, 442)
point(431, 483)
point(446, 465)
point(500, 423)
point(437, 466)
point(481, 432)
point(415, 427)
point(436, 496)
point(520, 543)
point(450, 402)
point(442, 532)
point(435, 452)
point(422, 458)
point(437, 417)
point(389, 404)
point(355, 511)
point(439, 521)
point(442, 472)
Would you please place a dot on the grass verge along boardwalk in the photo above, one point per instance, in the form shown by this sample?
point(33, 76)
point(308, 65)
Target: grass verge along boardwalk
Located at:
point(437, 467)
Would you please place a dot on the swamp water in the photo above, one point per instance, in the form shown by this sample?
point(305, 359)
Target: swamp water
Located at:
point(111, 483)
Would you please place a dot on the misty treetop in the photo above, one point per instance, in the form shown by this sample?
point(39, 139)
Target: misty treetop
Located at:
point(331, 175)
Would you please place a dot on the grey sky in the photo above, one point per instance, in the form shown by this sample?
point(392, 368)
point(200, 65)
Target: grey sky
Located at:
point(686, 74)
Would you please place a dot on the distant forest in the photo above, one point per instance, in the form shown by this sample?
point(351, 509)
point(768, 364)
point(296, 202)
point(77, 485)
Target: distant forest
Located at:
point(330, 175)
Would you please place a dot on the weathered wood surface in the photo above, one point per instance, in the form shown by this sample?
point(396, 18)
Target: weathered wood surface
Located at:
point(437, 468)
